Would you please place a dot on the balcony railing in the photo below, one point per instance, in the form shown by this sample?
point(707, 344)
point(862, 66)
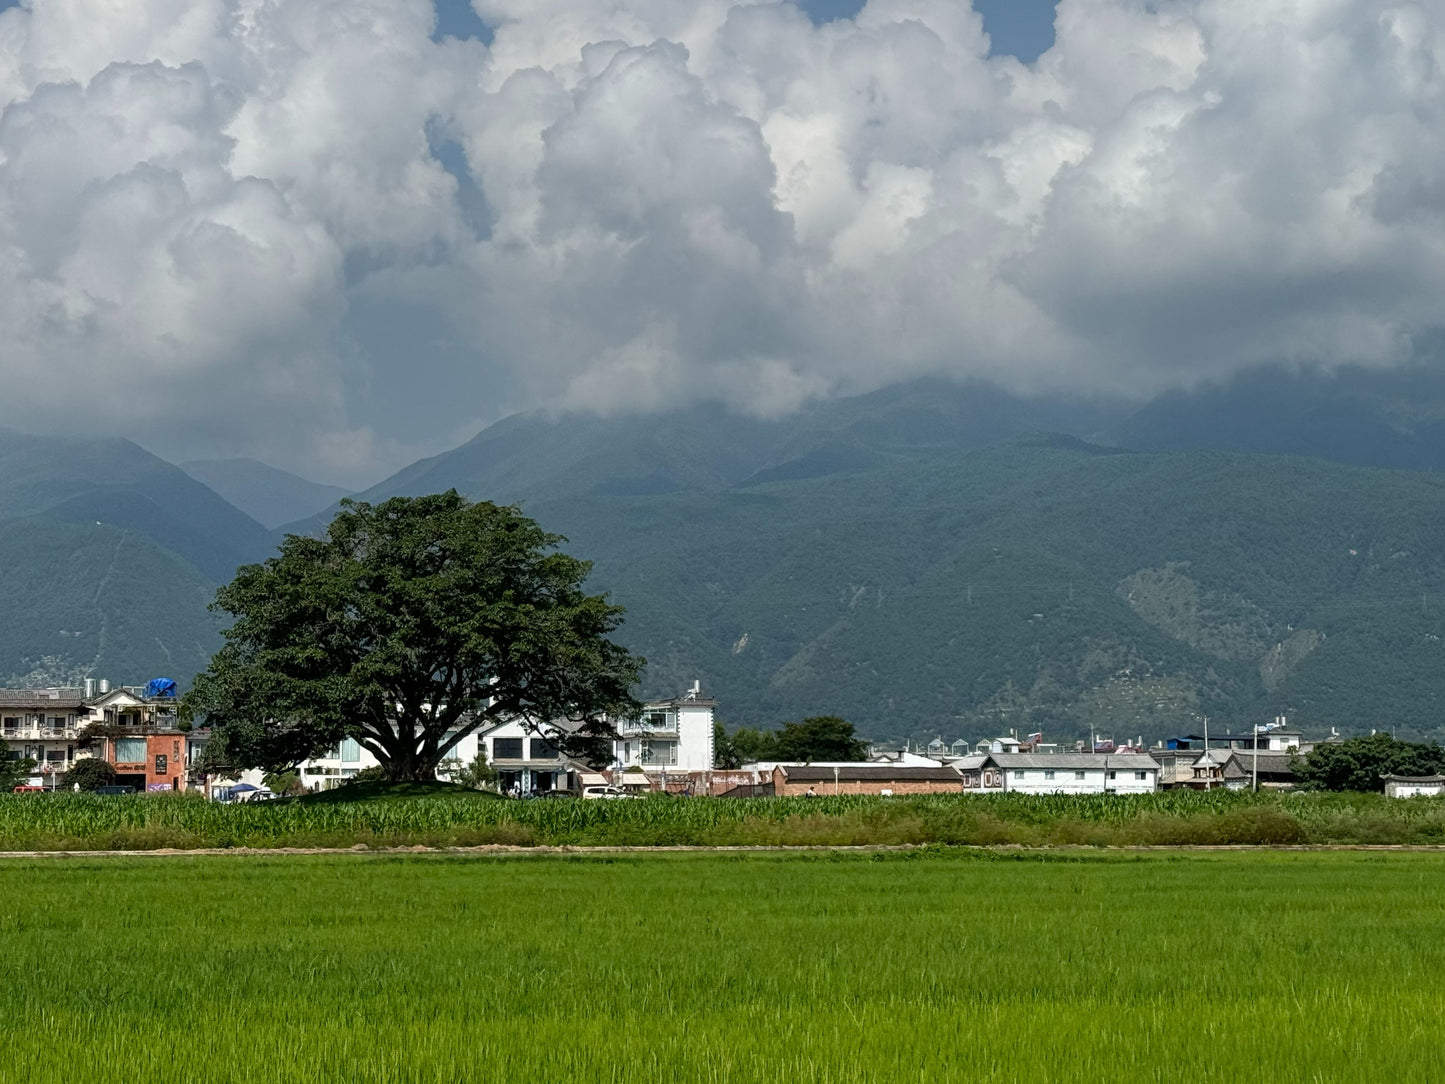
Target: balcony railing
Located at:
point(644, 726)
point(38, 733)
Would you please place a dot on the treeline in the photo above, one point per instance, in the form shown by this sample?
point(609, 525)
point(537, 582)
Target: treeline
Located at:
point(819, 737)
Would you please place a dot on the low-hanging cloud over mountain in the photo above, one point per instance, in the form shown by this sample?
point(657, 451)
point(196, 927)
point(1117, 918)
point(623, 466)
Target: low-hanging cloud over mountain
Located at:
point(306, 229)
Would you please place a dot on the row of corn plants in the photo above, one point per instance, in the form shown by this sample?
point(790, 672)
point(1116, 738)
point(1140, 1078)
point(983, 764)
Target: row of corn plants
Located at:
point(78, 821)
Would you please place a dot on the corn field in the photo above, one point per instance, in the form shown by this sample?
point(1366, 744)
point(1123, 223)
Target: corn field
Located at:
point(85, 822)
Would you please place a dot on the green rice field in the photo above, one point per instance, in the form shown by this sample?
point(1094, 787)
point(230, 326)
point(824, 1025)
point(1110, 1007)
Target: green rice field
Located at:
point(31, 822)
point(927, 965)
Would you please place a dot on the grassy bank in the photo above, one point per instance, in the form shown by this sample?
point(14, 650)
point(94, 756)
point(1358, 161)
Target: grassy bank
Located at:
point(83, 822)
point(914, 966)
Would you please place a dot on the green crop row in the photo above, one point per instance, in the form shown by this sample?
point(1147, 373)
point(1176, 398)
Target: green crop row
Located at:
point(80, 821)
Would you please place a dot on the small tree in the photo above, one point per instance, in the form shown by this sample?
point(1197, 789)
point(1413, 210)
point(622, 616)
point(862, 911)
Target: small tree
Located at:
point(724, 751)
point(409, 626)
point(753, 745)
point(478, 775)
point(14, 770)
point(90, 773)
point(287, 782)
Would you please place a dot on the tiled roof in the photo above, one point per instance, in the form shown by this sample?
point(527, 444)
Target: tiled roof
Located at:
point(868, 773)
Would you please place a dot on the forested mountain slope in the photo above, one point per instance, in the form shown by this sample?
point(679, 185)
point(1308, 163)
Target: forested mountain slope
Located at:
point(1037, 586)
point(120, 484)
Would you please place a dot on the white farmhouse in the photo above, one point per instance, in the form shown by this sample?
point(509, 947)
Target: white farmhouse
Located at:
point(1076, 773)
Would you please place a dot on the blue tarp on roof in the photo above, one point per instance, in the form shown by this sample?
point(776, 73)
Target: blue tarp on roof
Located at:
point(160, 687)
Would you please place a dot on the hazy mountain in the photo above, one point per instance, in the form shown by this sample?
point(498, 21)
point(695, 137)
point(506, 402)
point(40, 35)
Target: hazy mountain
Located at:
point(532, 457)
point(1381, 418)
point(268, 495)
point(120, 484)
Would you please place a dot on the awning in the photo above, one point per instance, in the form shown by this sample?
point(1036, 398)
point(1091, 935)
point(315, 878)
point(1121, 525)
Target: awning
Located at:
point(592, 779)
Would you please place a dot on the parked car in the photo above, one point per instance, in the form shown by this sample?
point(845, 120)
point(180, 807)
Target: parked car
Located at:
point(26, 789)
point(604, 792)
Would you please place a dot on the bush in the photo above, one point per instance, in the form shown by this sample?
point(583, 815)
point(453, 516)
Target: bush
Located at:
point(90, 773)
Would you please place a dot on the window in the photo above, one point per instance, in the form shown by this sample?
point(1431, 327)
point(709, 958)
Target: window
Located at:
point(659, 752)
point(350, 751)
point(1078, 775)
point(1113, 774)
point(656, 719)
point(1018, 775)
point(1049, 774)
point(1141, 775)
point(12, 722)
point(130, 750)
point(506, 748)
point(542, 749)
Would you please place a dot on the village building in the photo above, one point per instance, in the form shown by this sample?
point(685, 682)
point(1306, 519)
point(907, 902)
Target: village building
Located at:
point(43, 725)
point(1074, 773)
point(670, 744)
point(1414, 786)
point(801, 780)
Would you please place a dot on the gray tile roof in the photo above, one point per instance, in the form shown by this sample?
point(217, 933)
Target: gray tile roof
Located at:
point(869, 773)
point(1075, 761)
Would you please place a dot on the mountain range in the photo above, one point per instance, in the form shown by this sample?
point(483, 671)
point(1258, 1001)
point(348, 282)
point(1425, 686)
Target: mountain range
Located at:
point(928, 559)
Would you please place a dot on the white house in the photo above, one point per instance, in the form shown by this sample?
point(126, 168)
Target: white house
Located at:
point(672, 737)
point(526, 761)
point(1414, 786)
point(1075, 773)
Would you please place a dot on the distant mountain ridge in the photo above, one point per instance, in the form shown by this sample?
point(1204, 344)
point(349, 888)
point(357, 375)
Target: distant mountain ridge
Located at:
point(929, 559)
point(270, 496)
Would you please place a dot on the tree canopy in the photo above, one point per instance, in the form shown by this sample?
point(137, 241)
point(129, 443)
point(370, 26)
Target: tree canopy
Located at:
point(409, 625)
point(90, 773)
point(819, 737)
point(1362, 763)
point(13, 770)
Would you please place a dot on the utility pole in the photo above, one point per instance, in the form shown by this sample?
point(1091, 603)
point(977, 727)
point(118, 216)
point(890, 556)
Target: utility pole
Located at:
point(1208, 761)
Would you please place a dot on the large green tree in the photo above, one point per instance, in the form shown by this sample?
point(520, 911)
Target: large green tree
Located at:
point(409, 625)
point(1361, 763)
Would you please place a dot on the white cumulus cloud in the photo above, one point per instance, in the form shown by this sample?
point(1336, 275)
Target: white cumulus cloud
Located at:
point(308, 231)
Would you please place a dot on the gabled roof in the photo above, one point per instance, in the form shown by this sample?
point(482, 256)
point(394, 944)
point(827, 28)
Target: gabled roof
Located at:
point(1413, 778)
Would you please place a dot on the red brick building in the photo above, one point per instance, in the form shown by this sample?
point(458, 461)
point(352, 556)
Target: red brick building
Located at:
point(148, 762)
point(798, 779)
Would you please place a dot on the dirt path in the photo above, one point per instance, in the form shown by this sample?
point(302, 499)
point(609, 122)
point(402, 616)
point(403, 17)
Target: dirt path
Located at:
point(509, 850)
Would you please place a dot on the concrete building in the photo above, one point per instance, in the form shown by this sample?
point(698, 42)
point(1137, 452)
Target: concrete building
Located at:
point(43, 725)
point(671, 742)
point(1076, 773)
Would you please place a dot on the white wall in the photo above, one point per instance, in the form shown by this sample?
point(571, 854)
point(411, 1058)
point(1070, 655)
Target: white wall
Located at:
point(1080, 781)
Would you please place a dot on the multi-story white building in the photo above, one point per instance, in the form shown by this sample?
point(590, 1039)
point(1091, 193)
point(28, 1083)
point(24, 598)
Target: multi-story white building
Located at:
point(671, 737)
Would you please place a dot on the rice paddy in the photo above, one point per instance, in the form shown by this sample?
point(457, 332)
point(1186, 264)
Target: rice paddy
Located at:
point(914, 966)
point(86, 822)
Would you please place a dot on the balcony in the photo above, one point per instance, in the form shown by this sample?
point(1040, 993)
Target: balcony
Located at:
point(648, 726)
point(39, 733)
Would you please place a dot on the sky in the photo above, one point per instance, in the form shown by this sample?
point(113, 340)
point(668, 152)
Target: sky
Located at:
point(337, 235)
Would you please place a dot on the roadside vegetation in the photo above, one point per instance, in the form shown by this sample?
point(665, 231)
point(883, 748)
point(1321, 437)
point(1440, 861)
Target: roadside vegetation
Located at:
point(438, 815)
point(915, 966)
